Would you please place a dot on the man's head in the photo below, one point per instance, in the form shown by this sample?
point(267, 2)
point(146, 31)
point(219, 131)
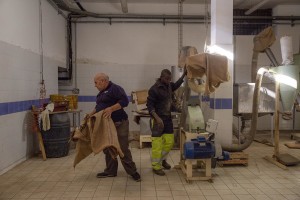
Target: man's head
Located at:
point(101, 81)
point(165, 76)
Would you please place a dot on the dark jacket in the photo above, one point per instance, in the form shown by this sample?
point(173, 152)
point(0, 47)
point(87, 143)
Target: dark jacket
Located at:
point(160, 97)
point(110, 96)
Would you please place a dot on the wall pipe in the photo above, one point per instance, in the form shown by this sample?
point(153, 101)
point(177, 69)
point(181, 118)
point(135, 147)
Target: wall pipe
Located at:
point(249, 137)
point(172, 22)
point(194, 17)
point(58, 4)
point(69, 50)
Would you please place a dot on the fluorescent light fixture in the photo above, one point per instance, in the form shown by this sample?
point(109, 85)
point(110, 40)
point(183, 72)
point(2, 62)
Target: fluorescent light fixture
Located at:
point(257, 6)
point(218, 50)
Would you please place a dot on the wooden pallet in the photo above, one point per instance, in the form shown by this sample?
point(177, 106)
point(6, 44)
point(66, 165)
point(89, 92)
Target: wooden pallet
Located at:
point(236, 158)
point(35, 127)
point(144, 138)
point(188, 167)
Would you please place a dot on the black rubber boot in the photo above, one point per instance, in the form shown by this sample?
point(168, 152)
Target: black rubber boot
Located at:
point(159, 172)
point(165, 164)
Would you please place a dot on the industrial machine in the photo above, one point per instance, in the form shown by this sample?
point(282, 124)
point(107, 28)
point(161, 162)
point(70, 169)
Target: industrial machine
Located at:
point(201, 140)
point(287, 88)
point(204, 148)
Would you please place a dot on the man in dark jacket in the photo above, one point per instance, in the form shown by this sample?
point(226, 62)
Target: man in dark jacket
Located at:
point(159, 103)
point(112, 99)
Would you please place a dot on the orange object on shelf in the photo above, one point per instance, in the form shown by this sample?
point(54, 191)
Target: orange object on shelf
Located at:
point(71, 99)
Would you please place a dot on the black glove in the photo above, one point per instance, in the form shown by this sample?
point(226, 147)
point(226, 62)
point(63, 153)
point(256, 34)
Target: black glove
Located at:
point(158, 120)
point(184, 73)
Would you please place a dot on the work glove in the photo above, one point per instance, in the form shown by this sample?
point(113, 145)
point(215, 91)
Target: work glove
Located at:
point(158, 121)
point(184, 73)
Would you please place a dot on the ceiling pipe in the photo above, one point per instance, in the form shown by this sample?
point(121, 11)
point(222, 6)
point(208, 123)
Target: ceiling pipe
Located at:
point(80, 6)
point(167, 22)
point(257, 6)
point(189, 17)
point(139, 21)
point(79, 13)
point(57, 8)
point(124, 6)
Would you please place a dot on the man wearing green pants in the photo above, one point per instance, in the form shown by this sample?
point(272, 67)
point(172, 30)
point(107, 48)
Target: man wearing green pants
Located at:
point(159, 103)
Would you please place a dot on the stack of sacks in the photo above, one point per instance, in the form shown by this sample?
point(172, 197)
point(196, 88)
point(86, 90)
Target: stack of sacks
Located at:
point(94, 135)
point(214, 67)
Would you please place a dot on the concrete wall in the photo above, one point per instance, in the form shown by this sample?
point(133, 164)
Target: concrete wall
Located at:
point(20, 66)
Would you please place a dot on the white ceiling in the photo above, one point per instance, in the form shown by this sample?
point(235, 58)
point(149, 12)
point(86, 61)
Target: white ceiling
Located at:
point(241, 4)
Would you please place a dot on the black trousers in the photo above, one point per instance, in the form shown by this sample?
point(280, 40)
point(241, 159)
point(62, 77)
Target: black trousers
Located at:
point(127, 162)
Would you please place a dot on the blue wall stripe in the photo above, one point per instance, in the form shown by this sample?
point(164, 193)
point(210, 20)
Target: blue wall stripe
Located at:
point(86, 98)
point(92, 98)
point(3, 108)
point(205, 98)
point(20, 106)
point(220, 103)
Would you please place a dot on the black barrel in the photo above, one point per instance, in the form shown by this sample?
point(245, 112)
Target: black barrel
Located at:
point(56, 139)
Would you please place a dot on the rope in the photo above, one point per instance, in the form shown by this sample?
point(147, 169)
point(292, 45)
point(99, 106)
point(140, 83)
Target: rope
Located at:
point(206, 18)
point(42, 82)
point(180, 29)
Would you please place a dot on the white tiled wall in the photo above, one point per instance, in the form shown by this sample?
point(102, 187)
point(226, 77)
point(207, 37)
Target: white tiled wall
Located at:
point(20, 69)
point(16, 142)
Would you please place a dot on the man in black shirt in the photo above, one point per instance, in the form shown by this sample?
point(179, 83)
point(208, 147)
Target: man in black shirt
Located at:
point(159, 103)
point(112, 99)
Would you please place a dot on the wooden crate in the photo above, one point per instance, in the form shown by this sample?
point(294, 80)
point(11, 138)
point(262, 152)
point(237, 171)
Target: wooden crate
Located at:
point(144, 138)
point(202, 170)
point(236, 158)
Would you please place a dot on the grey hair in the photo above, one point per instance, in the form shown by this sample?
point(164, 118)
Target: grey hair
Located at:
point(102, 76)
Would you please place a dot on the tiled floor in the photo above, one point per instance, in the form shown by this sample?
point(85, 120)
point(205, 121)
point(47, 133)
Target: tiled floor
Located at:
point(56, 179)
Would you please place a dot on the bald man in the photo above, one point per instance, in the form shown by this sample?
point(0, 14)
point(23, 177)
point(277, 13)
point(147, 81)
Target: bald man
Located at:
point(112, 99)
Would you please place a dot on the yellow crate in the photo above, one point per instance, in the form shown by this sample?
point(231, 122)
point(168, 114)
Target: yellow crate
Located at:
point(72, 99)
point(57, 97)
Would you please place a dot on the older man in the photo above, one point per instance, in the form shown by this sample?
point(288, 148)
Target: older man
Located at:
point(112, 99)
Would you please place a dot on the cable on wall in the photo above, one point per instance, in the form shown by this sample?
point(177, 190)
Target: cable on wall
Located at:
point(180, 30)
point(206, 22)
point(42, 82)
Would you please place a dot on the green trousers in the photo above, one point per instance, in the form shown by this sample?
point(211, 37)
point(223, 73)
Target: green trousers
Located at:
point(161, 146)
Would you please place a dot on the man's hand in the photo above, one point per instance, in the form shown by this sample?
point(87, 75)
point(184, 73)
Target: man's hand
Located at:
point(184, 71)
point(158, 120)
point(87, 116)
point(107, 112)
point(160, 123)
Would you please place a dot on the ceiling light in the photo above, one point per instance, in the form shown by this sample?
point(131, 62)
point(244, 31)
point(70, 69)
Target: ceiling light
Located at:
point(257, 6)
